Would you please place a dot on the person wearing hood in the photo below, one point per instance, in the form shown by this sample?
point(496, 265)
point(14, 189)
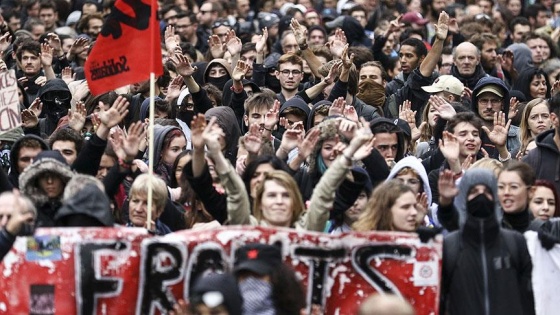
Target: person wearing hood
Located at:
point(84, 204)
point(486, 269)
point(169, 142)
point(217, 72)
point(490, 102)
point(55, 97)
point(225, 117)
point(545, 158)
point(466, 65)
point(216, 294)
point(412, 173)
point(23, 153)
point(522, 58)
point(43, 182)
point(354, 31)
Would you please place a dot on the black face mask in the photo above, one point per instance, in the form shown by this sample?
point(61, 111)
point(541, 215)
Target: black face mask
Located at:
point(218, 82)
point(56, 103)
point(481, 207)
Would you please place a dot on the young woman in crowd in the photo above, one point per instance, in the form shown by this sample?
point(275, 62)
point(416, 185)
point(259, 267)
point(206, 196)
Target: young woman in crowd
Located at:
point(533, 83)
point(543, 200)
point(169, 142)
point(535, 119)
point(514, 184)
point(392, 207)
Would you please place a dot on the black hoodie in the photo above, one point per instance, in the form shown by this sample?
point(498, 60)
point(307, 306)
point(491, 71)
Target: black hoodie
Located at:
point(14, 153)
point(55, 108)
point(545, 158)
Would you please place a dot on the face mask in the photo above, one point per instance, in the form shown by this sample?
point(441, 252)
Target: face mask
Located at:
point(56, 103)
point(218, 82)
point(257, 296)
point(481, 207)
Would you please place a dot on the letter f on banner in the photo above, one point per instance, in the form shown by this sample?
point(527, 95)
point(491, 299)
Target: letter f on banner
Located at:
point(129, 41)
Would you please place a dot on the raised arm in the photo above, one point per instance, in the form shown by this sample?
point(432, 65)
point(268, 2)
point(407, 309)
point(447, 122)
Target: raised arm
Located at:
point(429, 64)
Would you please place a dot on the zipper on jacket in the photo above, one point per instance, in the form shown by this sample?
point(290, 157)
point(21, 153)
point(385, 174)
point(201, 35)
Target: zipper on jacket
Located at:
point(484, 270)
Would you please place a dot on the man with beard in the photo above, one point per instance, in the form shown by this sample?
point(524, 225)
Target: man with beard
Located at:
point(35, 65)
point(467, 66)
point(432, 9)
point(487, 44)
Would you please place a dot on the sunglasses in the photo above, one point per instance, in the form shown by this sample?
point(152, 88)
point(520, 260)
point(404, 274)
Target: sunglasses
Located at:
point(220, 23)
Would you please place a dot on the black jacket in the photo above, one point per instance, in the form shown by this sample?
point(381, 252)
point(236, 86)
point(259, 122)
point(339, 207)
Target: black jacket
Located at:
point(486, 269)
point(545, 158)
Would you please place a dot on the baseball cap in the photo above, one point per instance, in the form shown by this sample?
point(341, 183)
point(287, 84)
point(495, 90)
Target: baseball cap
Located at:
point(336, 23)
point(447, 83)
point(491, 88)
point(414, 17)
point(261, 259)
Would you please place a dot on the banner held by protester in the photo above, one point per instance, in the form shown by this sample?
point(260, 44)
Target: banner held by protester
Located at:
point(108, 270)
point(10, 117)
point(120, 54)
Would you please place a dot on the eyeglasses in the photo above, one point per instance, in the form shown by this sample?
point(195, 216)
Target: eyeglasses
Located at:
point(221, 23)
point(292, 72)
point(486, 101)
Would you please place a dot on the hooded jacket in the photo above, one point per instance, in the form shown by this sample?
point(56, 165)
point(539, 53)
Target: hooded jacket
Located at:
point(88, 207)
point(160, 132)
point(522, 56)
point(513, 143)
point(486, 269)
point(222, 80)
point(46, 162)
point(54, 109)
point(415, 164)
point(14, 174)
point(545, 158)
point(228, 122)
point(400, 136)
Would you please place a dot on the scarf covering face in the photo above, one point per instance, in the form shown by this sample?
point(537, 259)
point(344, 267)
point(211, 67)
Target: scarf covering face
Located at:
point(371, 93)
point(257, 297)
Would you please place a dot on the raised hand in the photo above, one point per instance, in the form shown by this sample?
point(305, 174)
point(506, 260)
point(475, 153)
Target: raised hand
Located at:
point(240, 70)
point(78, 47)
point(499, 133)
point(114, 115)
point(211, 135)
point(406, 105)
point(136, 132)
point(347, 61)
point(337, 107)
point(347, 128)
point(555, 87)
point(260, 45)
point(444, 109)
point(338, 43)
point(29, 119)
point(513, 107)
point(67, 75)
point(442, 26)
point(171, 42)
point(308, 144)
point(77, 117)
point(507, 59)
point(183, 66)
point(334, 72)
point(198, 125)
point(234, 45)
point(253, 140)
point(350, 113)
point(174, 87)
point(300, 32)
point(217, 49)
point(46, 55)
point(449, 147)
point(446, 187)
point(41, 80)
point(272, 116)
point(36, 107)
point(421, 206)
point(54, 41)
point(290, 140)
point(5, 41)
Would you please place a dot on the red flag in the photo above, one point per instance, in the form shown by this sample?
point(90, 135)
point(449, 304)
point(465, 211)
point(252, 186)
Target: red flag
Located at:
point(128, 48)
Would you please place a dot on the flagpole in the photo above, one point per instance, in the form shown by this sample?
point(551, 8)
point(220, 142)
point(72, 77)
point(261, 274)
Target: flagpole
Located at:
point(153, 29)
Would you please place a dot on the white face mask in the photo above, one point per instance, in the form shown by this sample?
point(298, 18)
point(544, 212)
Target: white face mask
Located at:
point(257, 296)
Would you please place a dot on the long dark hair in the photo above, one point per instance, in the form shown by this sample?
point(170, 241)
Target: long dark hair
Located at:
point(251, 168)
point(287, 291)
point(523, 82)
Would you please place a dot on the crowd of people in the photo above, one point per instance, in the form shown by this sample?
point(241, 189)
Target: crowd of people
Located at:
point(411, 116)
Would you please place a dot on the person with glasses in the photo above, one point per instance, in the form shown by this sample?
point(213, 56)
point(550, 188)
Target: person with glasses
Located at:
point(491, 102)
point(290, 75)
point(221, 28)
point(206, 16)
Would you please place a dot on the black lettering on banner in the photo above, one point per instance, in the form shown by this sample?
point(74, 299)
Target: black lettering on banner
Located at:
point(205, 258)
point(108, 68)
point(162, 265)
point(362, 257)
point(318, 269)
point(7, 79)
point(89, 284)
point(140, 21)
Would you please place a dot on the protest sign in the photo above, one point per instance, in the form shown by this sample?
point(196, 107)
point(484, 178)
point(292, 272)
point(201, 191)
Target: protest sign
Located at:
point(126, 271)
point(10, 117)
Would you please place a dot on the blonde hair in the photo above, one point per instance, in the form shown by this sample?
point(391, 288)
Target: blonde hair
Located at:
point(524, 132)
point(490, 164)
point(284, 179)
point(377, 215)
point(159, 190)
